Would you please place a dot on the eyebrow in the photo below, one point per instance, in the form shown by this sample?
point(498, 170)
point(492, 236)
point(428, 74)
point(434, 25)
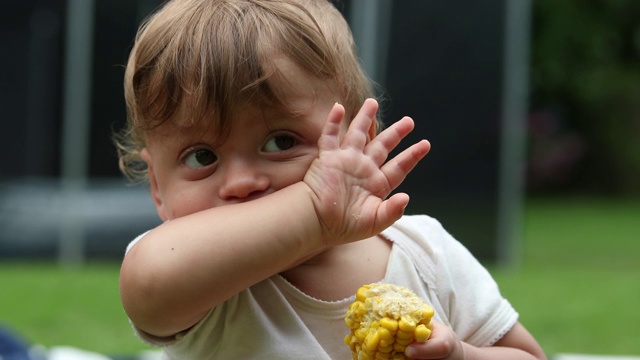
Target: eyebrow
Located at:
point(276, 118)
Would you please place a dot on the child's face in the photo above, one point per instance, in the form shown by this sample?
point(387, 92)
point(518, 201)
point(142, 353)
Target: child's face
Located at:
point(265, 151)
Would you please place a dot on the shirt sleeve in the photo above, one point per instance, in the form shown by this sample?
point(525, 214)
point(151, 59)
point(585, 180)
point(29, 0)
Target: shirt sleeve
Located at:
point(135, 241)
point(466, 293)
point(477, 311)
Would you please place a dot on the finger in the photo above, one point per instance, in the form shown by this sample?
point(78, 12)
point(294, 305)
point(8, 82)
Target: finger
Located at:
point(390, 211)
point(396, 169)
point(358, 131)
point(434, 348)
point(439, 346)
point(331, 130)
point(380, 147)
point(430, 349)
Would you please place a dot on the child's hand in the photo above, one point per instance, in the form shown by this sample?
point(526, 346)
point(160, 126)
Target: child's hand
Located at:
point(443, 344)
point(350, 179)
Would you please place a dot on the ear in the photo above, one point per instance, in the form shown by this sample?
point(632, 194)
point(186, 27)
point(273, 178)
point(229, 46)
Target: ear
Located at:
point(155, 191)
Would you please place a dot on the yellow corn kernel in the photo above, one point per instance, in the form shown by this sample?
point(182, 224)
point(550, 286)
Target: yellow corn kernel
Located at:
point(427, 312)
point(404, 341)
point(385, 348)
point(422, 333)
point(385, 334)
point(350, 323)
point(399, 348)
point(361, 334)
point(406, 324)
point(383, 356)
point(361, 294)
point(389, 324)
point(366, 355)
point(384, 319)
point(372, 341)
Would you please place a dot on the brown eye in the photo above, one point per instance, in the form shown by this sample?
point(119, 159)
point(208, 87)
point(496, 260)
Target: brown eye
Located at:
point(200, 158)
point(279, 143)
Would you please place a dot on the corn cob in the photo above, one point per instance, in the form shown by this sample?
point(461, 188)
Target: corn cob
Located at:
point(384, 319)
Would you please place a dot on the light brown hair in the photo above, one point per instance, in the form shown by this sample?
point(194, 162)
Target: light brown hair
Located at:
point(198, 60)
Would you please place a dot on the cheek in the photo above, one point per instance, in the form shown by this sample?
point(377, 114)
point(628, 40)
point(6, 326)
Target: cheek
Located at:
point(292, 173)
point(188, 200)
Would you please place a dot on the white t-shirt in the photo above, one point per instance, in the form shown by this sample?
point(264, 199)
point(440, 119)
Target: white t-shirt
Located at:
point(275, 320)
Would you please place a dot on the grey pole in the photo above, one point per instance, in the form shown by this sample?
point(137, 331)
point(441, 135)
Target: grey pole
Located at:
point(370, 22)
point(513, 138)
point(76, 126)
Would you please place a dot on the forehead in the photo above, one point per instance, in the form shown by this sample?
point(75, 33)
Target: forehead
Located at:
point(297, 90)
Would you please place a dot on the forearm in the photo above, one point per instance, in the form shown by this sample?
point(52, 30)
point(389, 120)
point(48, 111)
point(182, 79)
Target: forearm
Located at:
point(516, 344)
point(187, 266)
point(498, 353)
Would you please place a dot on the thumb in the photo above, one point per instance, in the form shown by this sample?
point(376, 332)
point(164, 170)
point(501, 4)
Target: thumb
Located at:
point(391, 210)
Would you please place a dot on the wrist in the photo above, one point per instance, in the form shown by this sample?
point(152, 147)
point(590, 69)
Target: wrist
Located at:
point(301, 217)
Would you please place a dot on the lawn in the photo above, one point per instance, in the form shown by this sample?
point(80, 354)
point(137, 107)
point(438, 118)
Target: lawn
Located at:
point(577, 288)
point(51, 306)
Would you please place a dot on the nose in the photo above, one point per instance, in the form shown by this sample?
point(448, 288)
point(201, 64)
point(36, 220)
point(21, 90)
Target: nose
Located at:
point(242, 181)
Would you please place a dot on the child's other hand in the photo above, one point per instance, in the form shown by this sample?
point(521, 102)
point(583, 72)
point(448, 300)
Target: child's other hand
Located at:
point(350, 179)
point(443, 344)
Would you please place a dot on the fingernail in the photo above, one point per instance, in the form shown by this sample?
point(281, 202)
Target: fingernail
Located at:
point(410, 352)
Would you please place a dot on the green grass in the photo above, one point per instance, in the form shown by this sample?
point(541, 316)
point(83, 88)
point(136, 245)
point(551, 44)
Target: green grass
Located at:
point(577, 289)
point(52, 306)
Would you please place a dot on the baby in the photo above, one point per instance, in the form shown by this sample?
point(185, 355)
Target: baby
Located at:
point(255, 127)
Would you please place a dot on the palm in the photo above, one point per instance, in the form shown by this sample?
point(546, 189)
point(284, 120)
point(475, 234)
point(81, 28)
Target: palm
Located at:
point(350, 179)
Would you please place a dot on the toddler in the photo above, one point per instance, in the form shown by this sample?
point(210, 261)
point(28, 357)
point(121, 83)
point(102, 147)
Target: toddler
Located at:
point(256, 130)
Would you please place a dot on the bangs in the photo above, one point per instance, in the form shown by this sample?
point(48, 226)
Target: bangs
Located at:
point(216, 57)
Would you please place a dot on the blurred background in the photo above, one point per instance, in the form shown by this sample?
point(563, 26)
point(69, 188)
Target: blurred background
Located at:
point(532, 109)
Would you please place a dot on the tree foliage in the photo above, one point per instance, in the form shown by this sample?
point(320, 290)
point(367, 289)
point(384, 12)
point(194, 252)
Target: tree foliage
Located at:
point(585, 96)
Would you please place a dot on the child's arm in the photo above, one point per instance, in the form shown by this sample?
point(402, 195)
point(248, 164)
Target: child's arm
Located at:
point(174, 275)
point(516, 344)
